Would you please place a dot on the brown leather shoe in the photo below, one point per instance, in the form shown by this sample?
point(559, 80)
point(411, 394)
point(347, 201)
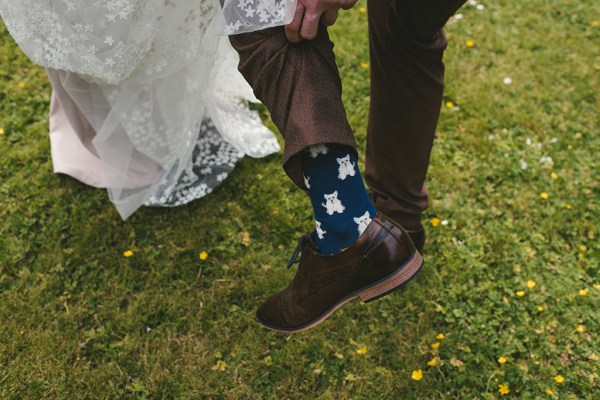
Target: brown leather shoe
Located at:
point(418, 238)
point(382, 260)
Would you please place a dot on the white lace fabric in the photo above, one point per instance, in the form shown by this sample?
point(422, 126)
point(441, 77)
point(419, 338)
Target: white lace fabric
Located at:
point(158, 85)
point(251, 15)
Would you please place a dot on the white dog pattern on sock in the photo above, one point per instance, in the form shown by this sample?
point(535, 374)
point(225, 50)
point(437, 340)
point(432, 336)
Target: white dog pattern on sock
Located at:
point(318, 149)
point(333, 204)
point(363, 221)
point(345, 167)
point(306, 179)
point(320, 232)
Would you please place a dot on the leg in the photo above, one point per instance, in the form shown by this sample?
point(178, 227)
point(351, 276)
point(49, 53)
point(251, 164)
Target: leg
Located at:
point(407, 81)
point(301, 87)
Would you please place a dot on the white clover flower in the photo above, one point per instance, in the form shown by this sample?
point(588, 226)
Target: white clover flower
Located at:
point(523, 164)
point(507, 80)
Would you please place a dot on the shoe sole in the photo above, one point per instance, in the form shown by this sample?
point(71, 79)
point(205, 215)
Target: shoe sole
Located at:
point(396, 280)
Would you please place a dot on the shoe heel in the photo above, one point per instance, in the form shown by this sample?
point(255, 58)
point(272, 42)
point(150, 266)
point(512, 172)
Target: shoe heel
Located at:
point(395, 281)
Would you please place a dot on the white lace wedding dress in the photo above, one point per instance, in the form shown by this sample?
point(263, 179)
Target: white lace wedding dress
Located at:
point(147, 99)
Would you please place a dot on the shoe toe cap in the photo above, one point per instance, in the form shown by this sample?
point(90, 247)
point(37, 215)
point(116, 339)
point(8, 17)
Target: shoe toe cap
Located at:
point(271, 313)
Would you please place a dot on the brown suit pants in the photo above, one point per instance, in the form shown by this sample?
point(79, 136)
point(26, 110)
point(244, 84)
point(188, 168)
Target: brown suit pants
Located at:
point(301, 87)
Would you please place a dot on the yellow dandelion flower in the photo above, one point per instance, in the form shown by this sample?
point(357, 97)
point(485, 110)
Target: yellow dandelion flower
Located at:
point(432, 362)
point(362, 350)
point(503, 389)
point(127, 253)
point(530, 284)
point(455, 362)
point(559, 379)
point(350, 378)
point(544, 196)
point(584, 292)
point(469, 43)
point(417, 375)
point(580, 329)
point(502, 360)
point(435, 345)
point(362, 10)
point(440, 336)
point(245, 236)
point(549, 392)
point(1, 131)
point(568, 206)
point(583, 247)
point(449, 104)
point(364, 65)
point(219, 366)
point(521, 293)
point(540, 308)
point(553, 175)
point(203, 256)
point(435, 222)
point(21, 85)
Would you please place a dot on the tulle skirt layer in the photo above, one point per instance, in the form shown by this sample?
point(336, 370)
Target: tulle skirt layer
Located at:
point(147, 99)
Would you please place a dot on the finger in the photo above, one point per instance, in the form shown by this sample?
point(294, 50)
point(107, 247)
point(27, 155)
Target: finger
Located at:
point(310, 25)
point(292, 30)
point(329, 17)
point(292, 35)
point(348, 4)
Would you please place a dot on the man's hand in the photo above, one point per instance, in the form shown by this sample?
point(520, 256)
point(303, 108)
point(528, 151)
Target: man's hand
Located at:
point(309, 13)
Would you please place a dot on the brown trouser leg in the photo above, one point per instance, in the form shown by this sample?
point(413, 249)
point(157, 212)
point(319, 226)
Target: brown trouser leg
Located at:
point(407, 81)
point(301, 87)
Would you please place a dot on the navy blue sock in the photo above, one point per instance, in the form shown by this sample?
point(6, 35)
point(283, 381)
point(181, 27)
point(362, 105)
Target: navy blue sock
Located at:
point(340, 201)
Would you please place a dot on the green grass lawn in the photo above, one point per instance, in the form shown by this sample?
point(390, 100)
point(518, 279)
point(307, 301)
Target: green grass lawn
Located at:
point(511, 260)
